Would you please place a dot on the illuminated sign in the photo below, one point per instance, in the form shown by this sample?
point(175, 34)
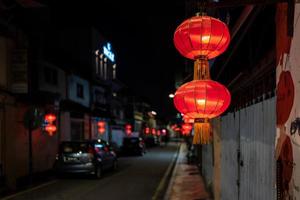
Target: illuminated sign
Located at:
point(108, 53)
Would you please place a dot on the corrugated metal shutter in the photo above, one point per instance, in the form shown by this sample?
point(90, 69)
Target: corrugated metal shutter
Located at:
point(258, 131)
point(229, 167)
point(251, 131)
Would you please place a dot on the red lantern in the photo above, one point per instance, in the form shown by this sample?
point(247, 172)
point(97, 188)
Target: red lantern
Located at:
point(201, 36)
point(158, 133)
point(101, 124)
point(101, 127)
point(202, 99)
point(50, 123)
point(147, 130)
point(50, 118)
point(153, 131)
point(186, 128)
point(128, 129)
point(50, 128)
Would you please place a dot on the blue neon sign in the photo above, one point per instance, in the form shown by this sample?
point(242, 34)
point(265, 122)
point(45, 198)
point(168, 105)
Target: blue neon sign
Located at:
point(108, 52)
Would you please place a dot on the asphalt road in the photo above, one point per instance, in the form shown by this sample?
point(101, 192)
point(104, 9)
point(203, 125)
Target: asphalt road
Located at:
point(138, 178)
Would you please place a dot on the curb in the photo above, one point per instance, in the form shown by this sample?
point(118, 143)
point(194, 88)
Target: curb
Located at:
point(164, 183)
point(171, 182)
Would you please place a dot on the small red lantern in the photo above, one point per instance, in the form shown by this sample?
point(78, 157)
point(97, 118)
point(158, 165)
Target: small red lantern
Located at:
point(50, 124)
point(201, 36)
point(128, 129)
point(153, 131)
point(101, 124)
point(50, 118)
point(147, 130)
point(101, 127)
point(158, 133)
point(186, 128)
point(50, 128)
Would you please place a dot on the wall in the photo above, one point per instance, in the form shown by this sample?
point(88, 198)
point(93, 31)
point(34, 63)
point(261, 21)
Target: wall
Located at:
point(44, 147)
point(72, 90)
point(60, 87)
point(288, 106)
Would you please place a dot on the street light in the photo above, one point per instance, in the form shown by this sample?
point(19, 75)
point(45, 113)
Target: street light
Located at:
point(153, 113)
point(171, 96)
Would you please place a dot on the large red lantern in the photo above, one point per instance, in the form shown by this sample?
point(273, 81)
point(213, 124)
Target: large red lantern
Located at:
point(202, 99)
point(201, 36)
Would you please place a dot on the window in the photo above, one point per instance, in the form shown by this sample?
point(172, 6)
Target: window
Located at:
point(79, 90)
point(50, 75)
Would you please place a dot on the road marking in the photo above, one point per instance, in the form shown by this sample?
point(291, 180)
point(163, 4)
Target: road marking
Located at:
point(30, 190)
point(163, 181)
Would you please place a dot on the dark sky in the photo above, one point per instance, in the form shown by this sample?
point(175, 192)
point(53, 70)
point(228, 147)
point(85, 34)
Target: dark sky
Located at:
point(141, 33)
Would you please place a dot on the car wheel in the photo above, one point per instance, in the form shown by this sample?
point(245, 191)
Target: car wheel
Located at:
point(98, 172)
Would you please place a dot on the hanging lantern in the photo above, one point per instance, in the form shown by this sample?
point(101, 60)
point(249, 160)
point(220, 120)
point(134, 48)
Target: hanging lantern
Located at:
point(201, 36)
point(50, 128)
point(147, 130)
point(186, 128)
point(128, 129)
point(101, 127)
point(153, 131)
point(201, 100)
point(50, 118)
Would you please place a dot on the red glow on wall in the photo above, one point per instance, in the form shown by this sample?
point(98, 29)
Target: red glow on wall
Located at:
point(201, 36)
point(202, 99)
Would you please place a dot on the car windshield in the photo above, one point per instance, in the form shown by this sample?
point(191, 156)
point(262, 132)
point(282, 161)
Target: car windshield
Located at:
point(74, 147)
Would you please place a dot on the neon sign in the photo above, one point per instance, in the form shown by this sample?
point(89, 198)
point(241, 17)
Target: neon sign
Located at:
point(108, 53)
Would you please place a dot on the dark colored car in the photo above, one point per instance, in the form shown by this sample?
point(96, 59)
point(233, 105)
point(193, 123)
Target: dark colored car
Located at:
point(133, 145)
point(89, 157)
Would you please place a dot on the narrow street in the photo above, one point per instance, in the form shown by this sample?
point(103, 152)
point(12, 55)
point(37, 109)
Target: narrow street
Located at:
point(137, 178)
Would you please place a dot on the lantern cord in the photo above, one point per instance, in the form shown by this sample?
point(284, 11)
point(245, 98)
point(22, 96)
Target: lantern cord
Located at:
point(202, 132)
point(201, 7)
point(201, 69)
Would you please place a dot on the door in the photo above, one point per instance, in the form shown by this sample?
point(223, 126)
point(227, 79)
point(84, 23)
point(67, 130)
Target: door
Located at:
point(77, 131)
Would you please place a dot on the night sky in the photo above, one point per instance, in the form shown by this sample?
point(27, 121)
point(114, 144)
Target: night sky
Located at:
point(141, 34)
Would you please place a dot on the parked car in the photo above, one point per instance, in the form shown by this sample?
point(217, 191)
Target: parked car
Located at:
point(133, 145)
point(89, 157)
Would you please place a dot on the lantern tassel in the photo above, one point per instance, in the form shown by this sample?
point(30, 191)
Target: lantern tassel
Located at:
point(202, 132)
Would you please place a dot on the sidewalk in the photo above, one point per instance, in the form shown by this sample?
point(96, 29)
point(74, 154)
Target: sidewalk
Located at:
point(186, 182)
